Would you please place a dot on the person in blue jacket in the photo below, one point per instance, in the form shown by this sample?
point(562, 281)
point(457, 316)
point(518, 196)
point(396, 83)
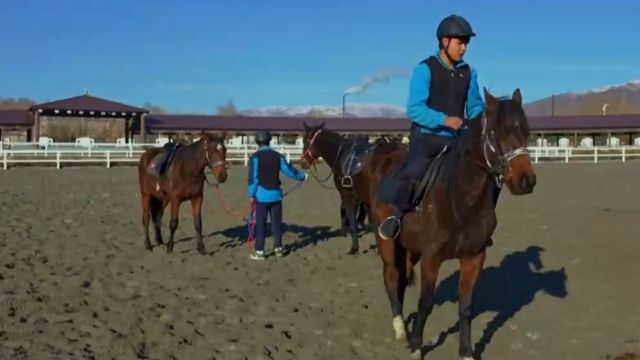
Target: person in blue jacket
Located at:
point(443, 88)
point(265, 166)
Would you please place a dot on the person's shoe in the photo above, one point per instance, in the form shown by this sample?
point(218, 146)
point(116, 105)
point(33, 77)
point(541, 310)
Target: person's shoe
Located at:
point(258, 255)
point(389, 228)
point(278, 252)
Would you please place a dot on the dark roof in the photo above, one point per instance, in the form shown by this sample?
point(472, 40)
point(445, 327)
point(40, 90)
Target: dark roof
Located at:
point(606, 122)
point(88, 103)
point(275, 124)
point(16, 118)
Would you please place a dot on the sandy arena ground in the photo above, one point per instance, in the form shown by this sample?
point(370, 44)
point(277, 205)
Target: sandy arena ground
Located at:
point(561, 281)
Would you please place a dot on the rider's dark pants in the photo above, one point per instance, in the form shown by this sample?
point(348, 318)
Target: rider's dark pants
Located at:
point(422, 149)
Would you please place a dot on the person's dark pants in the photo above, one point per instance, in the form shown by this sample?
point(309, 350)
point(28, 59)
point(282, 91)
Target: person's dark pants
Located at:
point(273, 209)
point(422, 149)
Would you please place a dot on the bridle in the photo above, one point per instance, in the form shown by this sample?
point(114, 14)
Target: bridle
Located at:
point(308, 154)
point(216, 164)
point(312, 158)
point(497, 168)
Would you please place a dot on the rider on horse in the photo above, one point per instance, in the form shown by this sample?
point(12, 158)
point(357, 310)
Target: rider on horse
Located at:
point(443, 87)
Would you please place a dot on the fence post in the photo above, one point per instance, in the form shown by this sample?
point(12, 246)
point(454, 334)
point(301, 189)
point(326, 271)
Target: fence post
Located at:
point(537, 155)
point(108, 159)
point(623, 154)
point(288, 155)
point(566, 155)
point(58, 159)
point(4, 160)
point(595, 155)
point(246, 155)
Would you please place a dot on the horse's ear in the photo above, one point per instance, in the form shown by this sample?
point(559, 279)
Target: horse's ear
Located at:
point(517, 97)
point(306, 126)
point(492, 102)
point(321, 126)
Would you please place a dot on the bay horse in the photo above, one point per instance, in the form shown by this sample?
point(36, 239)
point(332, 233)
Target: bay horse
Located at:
point(456, 218)
point(184, 181)
point(321, 142)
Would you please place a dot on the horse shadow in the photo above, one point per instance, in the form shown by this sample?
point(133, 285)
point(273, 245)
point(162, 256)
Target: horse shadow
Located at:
point(505, 290)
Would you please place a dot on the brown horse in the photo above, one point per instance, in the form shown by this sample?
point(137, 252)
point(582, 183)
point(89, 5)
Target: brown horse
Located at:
point(456, 217)
point(331, 146)
point(184, 181)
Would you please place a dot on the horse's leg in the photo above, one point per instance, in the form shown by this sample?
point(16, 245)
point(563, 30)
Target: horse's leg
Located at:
point(343, 220)
point(196, 210)
point(156, 213)
point(429, 267)
point(353, 225)
point(173, 224)
point(393, 285)
point(470, 267)
point(146, 204)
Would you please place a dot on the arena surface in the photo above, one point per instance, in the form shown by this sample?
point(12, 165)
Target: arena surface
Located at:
point(561, 281)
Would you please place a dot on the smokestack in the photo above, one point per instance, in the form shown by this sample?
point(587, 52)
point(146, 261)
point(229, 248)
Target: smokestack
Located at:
point(343, 100)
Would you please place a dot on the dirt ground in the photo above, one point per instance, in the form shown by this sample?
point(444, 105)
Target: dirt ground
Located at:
point(561, 281)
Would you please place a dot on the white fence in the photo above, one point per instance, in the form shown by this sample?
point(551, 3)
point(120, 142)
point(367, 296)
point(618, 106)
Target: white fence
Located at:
point(593, 154)
point(109, 154)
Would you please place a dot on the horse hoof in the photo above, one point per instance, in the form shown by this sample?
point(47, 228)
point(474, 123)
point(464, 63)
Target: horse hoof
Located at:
point(148, 247)
point(202, 250)
point(398, 327)
point(467, 358)
point(416, 355)
point(353, 251)
point(169, 249)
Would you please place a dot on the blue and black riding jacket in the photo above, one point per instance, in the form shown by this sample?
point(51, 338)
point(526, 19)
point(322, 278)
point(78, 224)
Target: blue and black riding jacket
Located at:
point(438, 91)
point(264, 174)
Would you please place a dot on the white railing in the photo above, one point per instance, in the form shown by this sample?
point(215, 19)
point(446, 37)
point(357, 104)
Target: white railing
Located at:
point(108, 154)
point(584, 154)
point(237, 155)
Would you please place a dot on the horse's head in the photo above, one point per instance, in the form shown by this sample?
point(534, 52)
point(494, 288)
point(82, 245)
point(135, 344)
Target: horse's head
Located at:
point(215, 154)
point(310, 151)
point(505, 132)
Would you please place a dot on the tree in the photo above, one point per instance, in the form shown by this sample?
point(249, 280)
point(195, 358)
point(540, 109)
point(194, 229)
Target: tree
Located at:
point(228, 109)
point(154, 109)
point(17, 104)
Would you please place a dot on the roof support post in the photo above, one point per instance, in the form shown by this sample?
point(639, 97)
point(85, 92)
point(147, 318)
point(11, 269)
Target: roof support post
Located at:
point(143, 129)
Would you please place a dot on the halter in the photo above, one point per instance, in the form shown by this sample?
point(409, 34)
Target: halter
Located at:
point(503, 160)
point(206, 156)
point(311, 159)
point(308, 154)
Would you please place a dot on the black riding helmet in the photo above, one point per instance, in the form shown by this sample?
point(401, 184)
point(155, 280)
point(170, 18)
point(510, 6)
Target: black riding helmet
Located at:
point(263, 137)
point(454, 26)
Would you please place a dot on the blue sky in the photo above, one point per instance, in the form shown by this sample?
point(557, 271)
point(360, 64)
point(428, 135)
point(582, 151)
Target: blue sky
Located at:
point(190, 56)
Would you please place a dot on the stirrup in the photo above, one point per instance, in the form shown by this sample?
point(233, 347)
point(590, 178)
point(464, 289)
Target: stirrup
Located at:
point(395, 235)
point(347, 182)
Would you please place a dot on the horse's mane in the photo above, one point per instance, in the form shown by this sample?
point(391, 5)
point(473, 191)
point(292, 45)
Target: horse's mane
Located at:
point(462, 146)
point(458, 149)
